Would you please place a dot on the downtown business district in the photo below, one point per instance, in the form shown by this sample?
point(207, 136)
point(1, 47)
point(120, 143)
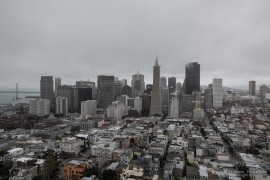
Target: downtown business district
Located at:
point(153, 131)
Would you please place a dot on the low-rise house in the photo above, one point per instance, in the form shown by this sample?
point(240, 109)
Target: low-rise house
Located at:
point(75, 169)
point(71, 145)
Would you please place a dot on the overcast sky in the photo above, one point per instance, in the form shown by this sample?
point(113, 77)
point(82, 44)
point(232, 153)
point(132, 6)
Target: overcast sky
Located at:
point(78, 40)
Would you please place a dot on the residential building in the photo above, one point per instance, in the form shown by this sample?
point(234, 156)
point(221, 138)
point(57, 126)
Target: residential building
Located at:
point(71, 145)
point(61, 106)
point(74, 169)
point(174, 105)
point(217, 93)
point(252, 88)
point(88, 108)
point(138, 104)
point(39, 106)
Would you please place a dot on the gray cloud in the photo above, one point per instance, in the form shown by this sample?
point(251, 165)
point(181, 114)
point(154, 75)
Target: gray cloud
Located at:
point(82, 39)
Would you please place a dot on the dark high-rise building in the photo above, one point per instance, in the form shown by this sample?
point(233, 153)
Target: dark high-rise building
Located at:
point(165, 100)
point(67, 92)
point(127, 90)
point(46, 90)
point(146, 103)
point(84, 94)
point(105, 90)
point(172, 84)
point(149, 88)
point(155, 108)
point(252, 88)
point(192, 80)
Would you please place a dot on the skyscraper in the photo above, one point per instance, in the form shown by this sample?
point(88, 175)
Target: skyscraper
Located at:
point(252, 88)
point(155, 108)
point(46, 90)
point(163, 82)
point(57, 84)
point(137, 84)
point(117, 88)
point(172, 84)
point(126, 90)
point(105, 90)
point(263, 89)
point(217, 93)
point(192, 81)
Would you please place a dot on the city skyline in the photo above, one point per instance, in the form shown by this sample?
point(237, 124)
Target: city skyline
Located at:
point(78, 41)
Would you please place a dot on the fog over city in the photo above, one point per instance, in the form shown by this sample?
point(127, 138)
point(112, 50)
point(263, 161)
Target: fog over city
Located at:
point(78, 40)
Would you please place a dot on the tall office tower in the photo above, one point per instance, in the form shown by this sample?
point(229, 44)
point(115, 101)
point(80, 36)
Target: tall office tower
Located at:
point(217, 93)
point(172, 84)
point(84, 94)
point(57, 82)
point(208, 97)
point(137, 84)
point(61, 106)
point(67, 92)
point(163, 82)
point(149, 88)
point(263, 89)
point(117, 89)
point(105, 90)
point(46, 90)
point(138, 104)
point(252, 88)
point(85, 84)
point(39, 106)
point(124, 82)
point(174, 105)
point(192, 81)
point(127, 90)
point(146, 103)
point(165, 100)
point(88, 108)
point(155, 108)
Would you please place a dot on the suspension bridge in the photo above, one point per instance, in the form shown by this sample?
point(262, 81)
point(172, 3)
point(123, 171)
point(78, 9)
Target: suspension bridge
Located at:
point(18, 89)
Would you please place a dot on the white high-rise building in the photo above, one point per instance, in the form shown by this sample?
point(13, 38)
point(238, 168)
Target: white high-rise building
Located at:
point(57, 82)
point(116, 110)
point(61, 106)
point(174, 105)
point(138, 104)
point(88, 108)
point(39, 106)
point(217, 93)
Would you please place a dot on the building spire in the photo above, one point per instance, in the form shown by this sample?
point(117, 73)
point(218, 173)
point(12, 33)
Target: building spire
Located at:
point(137, 71)
point(156, 63)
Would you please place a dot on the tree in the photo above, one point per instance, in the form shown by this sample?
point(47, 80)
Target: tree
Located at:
point(49, 166)
point(109, 175)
